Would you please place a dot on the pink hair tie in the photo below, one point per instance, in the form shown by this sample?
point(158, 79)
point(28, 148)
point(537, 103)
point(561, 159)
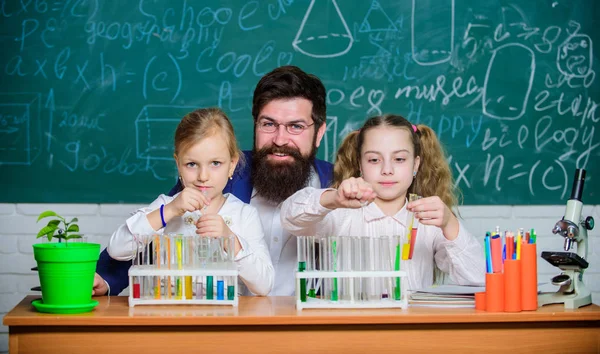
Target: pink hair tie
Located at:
point(414, 128)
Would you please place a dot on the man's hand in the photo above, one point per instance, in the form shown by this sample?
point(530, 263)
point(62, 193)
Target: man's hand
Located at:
point(99, 287)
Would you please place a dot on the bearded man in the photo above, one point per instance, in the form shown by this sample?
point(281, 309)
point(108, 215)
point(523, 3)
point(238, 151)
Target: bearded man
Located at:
point(289, 114)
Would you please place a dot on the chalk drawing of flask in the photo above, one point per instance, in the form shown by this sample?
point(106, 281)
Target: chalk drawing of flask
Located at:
point(323, 33)
point(508, 82)
point(432, 31)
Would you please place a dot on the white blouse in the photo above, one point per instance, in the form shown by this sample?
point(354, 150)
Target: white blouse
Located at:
point(253, 260)
point(303, 215)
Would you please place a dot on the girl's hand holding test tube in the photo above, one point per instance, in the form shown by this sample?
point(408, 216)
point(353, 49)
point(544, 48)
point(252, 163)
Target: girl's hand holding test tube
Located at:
point(433, 211)
point(352, 193)
point(190, 199)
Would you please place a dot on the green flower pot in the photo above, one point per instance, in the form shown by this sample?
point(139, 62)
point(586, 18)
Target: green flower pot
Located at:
point(66, 272)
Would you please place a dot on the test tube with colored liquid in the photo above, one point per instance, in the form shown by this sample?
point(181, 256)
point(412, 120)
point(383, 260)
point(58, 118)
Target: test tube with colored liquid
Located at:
point(169, 257)
point(187, 263)
point(135, 261)
point(414, 228)
point(312, 292)
point(178, 257)
point(220, 289)
point(301, 241)
point(334, 265)
point(324, 265)
point(230, 288)
point(147, 282)
point(209, 288)
point(157, 261)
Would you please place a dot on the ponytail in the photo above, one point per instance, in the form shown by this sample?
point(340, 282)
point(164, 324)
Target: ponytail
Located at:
point(434, 177)
point(347, 162)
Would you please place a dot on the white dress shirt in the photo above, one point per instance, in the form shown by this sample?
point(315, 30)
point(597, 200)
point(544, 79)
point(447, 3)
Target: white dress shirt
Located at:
point(303, 215)
point(254, 264)
point(282, 246)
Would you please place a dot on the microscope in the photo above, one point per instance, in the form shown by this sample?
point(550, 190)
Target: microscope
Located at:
point(572, 292)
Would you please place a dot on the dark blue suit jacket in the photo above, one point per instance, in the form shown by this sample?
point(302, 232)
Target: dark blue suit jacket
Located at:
point(115, 272)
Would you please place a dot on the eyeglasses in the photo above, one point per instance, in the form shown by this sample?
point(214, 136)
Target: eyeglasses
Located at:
point(269, 126)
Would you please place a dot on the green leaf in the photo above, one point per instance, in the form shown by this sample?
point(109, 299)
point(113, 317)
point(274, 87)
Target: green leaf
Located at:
point(46, 214)
point(47, 230)
point(73, 220)
point(53, 222)
point(73, 228)
point(73, 236)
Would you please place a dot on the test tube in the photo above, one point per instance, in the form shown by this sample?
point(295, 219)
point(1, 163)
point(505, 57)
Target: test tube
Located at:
point(188, 252)
point(231, 248)
point(358, 266)
point(312, 256)
point(410, 218)
point(135, 262)
point(220, 289)
point(202, 251)
point(386, 265)
point(309, 249)
point(179, 261)
point(345, 255)
point(147, 282)
point(199, 288)
point(334, 264)
point(324, 266)
point(368, 247)
point(157, 261)
point(168, 290)
point(301, 242)
point(414, 228)
point(209, 287)
point(230, 288)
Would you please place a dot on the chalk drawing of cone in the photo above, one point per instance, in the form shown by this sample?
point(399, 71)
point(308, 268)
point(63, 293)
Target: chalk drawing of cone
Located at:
point(323, 32)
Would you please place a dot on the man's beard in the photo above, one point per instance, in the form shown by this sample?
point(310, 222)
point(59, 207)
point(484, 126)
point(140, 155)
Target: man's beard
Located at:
point(277, 180)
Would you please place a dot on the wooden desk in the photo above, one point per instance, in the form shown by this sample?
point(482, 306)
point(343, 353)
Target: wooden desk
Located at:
point(272, 324)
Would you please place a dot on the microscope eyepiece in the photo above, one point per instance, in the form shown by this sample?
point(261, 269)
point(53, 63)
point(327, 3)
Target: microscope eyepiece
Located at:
point(577, 191)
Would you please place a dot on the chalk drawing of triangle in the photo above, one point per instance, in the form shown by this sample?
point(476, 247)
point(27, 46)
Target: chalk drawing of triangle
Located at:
point(379, 18)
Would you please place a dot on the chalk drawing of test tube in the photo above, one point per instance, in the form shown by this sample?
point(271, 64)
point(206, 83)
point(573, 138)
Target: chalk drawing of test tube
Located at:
point(508, 82)
point(321, 36)
point(432, 40)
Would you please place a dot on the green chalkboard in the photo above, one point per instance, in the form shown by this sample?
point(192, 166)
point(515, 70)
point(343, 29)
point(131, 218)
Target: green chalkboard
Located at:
point(92, 90)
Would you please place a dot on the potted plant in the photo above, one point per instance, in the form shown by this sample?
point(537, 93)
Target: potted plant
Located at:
point(66, 269)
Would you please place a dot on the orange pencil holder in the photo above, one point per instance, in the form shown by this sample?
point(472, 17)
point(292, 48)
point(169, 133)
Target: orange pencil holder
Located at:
point(494, 292)
point(529, 277)
point(480, 301)
point(512, 285)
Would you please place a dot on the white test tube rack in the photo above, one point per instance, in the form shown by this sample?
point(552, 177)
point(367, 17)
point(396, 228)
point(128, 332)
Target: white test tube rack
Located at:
point(372, 264)
point(318, 303)
point(151, 271)
point(178, 264)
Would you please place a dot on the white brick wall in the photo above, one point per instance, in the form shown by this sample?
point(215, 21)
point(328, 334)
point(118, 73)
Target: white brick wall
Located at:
point(18, 229)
